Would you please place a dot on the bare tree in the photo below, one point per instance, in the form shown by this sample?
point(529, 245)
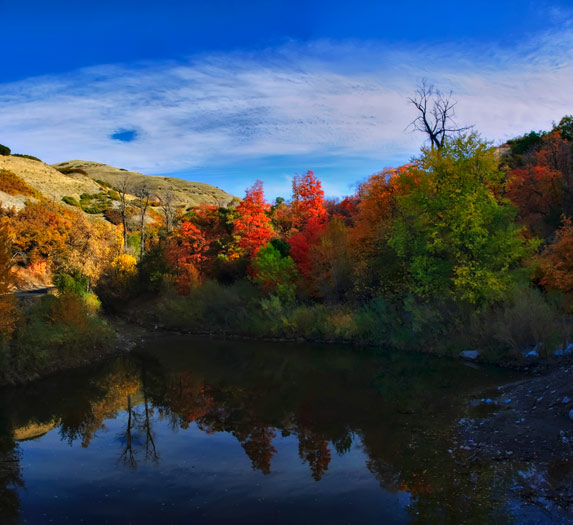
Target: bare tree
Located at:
point(144, 196)
point(168, 209)
point(128, 455)
point(123, 189)
point(436, 114)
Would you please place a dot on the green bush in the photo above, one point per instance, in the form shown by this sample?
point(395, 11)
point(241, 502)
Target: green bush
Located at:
point(69, 171)
point(4, 150)
point(30, 157)
point(71, 201)
point(103, 183)
point(72, 283)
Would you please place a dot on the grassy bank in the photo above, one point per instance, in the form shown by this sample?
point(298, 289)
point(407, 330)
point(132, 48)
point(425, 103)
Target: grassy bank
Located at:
point(53, 333)
point(503, 332)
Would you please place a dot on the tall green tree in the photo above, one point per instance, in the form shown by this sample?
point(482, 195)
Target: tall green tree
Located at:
point(458, 238)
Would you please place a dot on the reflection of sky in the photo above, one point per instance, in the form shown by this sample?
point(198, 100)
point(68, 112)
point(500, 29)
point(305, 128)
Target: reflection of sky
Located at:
point(198, 475)
point(228, 93)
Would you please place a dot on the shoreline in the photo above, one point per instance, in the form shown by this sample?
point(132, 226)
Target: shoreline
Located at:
point(526, 424)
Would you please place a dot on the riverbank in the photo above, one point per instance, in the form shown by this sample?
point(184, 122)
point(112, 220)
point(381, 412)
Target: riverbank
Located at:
point(527, 425)
point(125, 337)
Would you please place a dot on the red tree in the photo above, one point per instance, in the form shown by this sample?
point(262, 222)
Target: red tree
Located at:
point(537, 192)
point(307, 200)
point(302, 242)
point(557, 260)
point(186, 254)
point(253, 225)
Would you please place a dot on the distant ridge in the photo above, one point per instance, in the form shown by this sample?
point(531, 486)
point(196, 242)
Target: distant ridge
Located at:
point(185, 194)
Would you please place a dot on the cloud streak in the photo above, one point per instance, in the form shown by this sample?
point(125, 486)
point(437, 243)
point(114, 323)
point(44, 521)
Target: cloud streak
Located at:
point(322, 103)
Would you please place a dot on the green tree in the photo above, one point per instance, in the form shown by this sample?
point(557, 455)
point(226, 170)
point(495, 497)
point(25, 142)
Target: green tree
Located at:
point(275, 273)
point(458, 238)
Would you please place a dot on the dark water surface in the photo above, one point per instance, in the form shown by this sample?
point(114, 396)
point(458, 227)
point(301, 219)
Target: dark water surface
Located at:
point(190, 429)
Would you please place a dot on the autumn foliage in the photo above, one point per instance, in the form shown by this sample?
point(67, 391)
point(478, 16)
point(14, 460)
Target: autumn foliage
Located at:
point(457, 227)
point(11, 184)
point(557, 260)
point(307, 201)
point(186, 253)
point(253, 225)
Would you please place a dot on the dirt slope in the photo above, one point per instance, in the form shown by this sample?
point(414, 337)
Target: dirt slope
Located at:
point(185, 194)
point(52, 184)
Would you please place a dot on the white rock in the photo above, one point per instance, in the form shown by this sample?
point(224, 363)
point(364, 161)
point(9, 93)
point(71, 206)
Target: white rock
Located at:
point(571, 414)
point(565, 400)
point(469, 354)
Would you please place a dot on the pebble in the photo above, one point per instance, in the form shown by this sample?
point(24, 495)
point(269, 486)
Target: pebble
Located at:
point(565, 400)
point(508, 400)
point(571, 414)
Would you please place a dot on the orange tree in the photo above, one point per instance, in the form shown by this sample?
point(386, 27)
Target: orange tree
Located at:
point(253, 224)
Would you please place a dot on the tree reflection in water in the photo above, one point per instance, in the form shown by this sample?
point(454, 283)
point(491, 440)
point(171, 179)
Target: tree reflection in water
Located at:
point(399, 410)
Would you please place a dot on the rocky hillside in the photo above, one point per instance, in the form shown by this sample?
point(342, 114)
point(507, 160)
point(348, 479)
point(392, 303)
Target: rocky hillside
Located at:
point(185, 194)
point(73, 179)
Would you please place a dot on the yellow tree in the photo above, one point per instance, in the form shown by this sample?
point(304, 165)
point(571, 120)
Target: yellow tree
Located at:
point(8, 309)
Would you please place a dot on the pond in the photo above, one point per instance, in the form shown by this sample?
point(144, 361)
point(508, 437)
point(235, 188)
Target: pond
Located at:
point(190, 429)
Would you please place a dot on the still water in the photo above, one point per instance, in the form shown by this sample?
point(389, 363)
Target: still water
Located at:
point(188, 429)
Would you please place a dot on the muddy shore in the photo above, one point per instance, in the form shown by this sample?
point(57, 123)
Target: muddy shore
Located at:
point(527, 425)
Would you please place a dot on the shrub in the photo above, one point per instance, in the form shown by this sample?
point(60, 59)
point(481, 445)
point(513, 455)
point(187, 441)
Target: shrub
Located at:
point(117, 284)
point(57, 332)
point(213, 307)
point(30, 157)
point(11, 184)
point(4, 150)
point(526, 319)
point(103, 183)
point(113, 216)
point(125, 265)
point(9, 316)
point(71, 201)
point(69, 171)
point(72, 283)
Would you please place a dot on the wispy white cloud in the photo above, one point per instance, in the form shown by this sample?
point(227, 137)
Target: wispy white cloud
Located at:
point(325, 101)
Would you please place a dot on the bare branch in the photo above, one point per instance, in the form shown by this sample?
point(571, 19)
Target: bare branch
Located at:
point(436, 114)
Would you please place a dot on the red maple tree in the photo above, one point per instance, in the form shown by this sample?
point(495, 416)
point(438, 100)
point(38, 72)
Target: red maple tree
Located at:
point(186, 254)
point(253, 225)
point(307, 200)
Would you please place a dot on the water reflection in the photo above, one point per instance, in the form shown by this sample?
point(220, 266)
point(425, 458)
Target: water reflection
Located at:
point(393, 413)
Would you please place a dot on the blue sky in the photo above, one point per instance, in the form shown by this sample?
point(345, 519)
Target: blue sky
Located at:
point(227, 92)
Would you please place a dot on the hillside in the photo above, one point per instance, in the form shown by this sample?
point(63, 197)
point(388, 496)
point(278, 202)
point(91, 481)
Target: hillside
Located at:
point(46, 180)
point(185, 194)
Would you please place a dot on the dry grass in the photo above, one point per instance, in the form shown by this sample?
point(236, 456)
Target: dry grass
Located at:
point(11, 184)
point(185, 193)
point(52, 184)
